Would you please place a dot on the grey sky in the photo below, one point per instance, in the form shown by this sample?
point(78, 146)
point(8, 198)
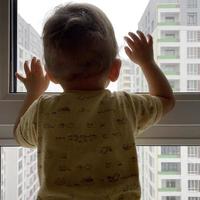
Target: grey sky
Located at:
point(124, 14)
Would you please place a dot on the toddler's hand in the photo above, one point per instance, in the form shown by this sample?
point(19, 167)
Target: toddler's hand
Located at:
point(140, 48)
point(35, 81)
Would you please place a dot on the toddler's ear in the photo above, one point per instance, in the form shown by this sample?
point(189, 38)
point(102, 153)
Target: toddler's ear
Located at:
point(115, 70)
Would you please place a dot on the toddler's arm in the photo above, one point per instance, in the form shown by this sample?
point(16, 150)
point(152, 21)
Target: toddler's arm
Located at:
point(35, 82)
point(140, 51)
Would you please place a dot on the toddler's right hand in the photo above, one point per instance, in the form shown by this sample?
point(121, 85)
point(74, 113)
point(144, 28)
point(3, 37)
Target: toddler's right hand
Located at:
point(140, 48)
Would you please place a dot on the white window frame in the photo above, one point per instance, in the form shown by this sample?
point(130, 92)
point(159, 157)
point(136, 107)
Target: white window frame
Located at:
point(179, 127)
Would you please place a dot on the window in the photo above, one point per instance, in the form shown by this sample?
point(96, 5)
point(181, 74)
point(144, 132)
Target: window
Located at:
point(194, 185)
point(170, 150)
point(170, 52)
point(192, 3)
point(171, 167)
point(191, 18)
point(194, 152)
point(151, 176)
point(193, 85)
point(171, 198)
point(194, 168)
point(20, 191)
point(179, 127)
point(193, 69)
point(193, 36)
point(175, 84)
point(170, 68)
point(171, 183)
point(193, 52)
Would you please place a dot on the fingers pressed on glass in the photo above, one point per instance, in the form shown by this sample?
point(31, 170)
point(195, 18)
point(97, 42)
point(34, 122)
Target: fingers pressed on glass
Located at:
point(20, 77)
point(33, 63)
point(142, 36)
point(129, 42)
point(150, 39)
point(26, 68)
point(134, 37)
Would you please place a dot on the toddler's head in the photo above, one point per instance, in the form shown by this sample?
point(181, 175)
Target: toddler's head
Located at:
point(79, 42)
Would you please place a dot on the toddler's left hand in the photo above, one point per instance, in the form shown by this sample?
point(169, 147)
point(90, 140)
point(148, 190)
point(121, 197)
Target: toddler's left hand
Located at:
point(35, 81)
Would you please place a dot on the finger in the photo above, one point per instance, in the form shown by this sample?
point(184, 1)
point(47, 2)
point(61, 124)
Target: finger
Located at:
point(142, 36)
point(33, 63)
point(128, 52)
point(20, 77)
point(129, 42)
point(150, 40)
point(38, 68)
point(26, 69)
point(134, 37)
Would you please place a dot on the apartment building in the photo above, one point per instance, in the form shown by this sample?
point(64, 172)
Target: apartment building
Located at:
point(19, 179)
point(170, 172)
point(175, 26)
point(29, 44)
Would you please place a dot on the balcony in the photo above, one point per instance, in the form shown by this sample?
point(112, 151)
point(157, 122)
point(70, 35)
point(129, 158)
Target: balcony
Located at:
point(169, 155)
point(169, 190)
point(169, 172)
point(168, 57)
point(168, 5)
point(168, 39)
point(168, 23)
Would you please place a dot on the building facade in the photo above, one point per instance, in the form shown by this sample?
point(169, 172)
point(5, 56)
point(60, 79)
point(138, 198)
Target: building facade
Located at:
point(170, 172)
point(19, 179)
point(29, 44)
point(175, 26)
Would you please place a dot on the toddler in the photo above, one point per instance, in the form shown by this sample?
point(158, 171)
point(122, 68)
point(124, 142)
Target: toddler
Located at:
point(85, 136)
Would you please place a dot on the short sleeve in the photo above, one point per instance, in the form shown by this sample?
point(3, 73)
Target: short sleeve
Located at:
point(26, 132)
point(148, 110)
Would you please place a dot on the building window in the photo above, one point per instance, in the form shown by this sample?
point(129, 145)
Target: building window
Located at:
point(192, 18)
point(151, 176)
point(171, 183)
point(170, 51)
point(194, 198)
point(193, 69)
point(170, 150)
point(194, 151)
point(193, 36)
point(151, 161)
point(20, 178)
point(194, 185)
point(193, 52)
point(171, 198)
point(20, 165)
point(175, 84)
point(192, 3)
point(169, 18)
point(194, 168)
point(170, 68)
point(193, 85)
point(19, 190)
point(171, 167)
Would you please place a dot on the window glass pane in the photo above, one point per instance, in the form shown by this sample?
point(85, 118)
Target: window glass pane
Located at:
point(174, 25)
point(166, 173)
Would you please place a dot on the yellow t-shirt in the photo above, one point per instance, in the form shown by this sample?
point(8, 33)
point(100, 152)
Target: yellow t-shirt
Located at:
point(85, 142)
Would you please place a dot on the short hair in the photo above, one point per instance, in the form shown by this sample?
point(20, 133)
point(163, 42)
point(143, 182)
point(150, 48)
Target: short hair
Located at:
point(79, 41)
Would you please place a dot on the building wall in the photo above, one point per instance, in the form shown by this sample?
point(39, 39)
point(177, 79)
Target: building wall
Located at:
point(176, 47)
point(19, 179)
